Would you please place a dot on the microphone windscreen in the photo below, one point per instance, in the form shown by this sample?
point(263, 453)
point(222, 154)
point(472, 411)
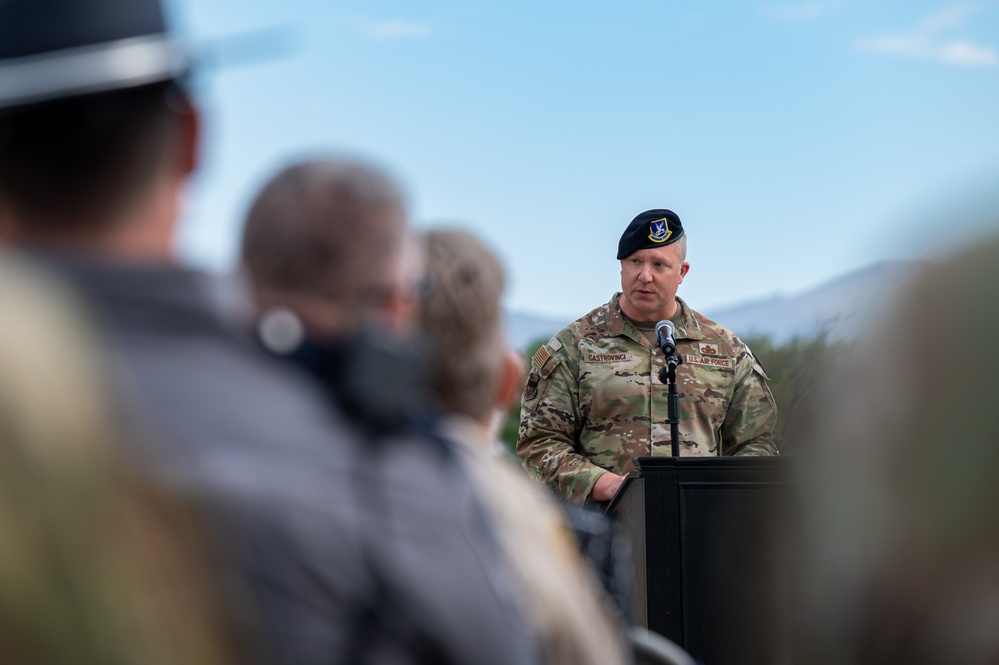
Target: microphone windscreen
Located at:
point(665, 323)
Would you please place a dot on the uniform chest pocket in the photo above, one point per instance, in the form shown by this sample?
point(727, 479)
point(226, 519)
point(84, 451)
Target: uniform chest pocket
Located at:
point(612, 386)
point(706, 387)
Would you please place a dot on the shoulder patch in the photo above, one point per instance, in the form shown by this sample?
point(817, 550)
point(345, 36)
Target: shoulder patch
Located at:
point(531, 389)
point(541, 357)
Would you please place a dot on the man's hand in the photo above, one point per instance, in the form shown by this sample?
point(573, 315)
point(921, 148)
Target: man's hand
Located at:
point(606, 487)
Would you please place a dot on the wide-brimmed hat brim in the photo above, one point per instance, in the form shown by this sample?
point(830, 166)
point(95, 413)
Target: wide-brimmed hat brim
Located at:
point(86, 70)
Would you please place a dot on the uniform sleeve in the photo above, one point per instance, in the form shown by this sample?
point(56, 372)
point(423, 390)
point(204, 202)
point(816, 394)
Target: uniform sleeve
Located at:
point(547, 443)
point(749, 427)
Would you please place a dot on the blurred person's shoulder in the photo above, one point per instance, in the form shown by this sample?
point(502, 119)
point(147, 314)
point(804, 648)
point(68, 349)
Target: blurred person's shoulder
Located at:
point(209, 399)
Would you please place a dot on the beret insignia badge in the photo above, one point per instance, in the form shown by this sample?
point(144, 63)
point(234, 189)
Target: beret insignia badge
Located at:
point(659, 230)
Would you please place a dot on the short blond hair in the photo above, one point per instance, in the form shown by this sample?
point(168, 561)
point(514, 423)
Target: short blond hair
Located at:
point(681, 247)
point(461, 321)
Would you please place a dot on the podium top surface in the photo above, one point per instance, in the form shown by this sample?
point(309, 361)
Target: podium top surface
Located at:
point(704, 469)
point(653, 464)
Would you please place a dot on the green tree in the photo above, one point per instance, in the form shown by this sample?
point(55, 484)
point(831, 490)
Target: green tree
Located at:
point(795, 368)
point(511, 423)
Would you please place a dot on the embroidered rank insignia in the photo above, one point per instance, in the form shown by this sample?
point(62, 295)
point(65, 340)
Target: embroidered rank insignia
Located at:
point(541, 357)
point(659, 230)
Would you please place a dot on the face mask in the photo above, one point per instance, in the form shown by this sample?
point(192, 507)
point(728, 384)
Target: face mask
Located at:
point(376, 377)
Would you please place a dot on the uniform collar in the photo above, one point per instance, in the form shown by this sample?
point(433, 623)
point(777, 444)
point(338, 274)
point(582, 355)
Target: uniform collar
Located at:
point(687, 326)
point(618, 324)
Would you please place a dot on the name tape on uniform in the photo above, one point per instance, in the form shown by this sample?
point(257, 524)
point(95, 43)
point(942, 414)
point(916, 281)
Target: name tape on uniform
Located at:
point(728, 363)
point(606, 357)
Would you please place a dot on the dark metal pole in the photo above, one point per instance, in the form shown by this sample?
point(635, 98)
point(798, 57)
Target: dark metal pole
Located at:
point(667, 375)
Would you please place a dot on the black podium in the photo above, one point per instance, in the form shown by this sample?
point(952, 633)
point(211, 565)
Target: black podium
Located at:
point(700, 528)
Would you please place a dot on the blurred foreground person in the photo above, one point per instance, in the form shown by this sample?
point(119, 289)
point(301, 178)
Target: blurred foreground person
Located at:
point(335, 274)
point(899, 554)
point(475, 381)
point(95, 569)
point(97, 141)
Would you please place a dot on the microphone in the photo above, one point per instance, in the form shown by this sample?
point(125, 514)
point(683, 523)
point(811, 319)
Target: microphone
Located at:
point(664, 334)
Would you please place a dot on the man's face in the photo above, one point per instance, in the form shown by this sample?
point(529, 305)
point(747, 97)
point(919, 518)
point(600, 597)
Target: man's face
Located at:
point(397, 307)
point(649, 280)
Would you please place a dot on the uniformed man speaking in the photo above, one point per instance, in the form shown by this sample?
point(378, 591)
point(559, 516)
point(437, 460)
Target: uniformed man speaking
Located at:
point(593, 400)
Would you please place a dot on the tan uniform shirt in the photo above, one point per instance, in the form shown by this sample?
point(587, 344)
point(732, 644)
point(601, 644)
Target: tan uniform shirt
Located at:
point(561, 596)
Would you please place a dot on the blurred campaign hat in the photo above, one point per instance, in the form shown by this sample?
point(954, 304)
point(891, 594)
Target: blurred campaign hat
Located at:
point(52, 49)
point(650, 229)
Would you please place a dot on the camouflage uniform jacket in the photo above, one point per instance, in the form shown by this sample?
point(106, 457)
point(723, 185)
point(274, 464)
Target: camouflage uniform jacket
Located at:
point(593, 400)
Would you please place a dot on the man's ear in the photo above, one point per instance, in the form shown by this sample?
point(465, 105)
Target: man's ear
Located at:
point(511, 382)
point(188, 131)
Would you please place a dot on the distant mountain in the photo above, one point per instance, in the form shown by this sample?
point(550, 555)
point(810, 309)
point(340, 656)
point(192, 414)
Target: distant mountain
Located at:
point(522, 329)
point(843, 307)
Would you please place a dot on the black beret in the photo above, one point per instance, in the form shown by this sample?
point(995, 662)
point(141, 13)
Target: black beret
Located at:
point(650, 229)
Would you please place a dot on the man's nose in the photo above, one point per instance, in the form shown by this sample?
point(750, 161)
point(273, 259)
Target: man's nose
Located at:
point(645, 274)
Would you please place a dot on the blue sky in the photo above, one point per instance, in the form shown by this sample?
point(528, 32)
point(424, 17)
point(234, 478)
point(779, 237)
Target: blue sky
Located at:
point(796, 141)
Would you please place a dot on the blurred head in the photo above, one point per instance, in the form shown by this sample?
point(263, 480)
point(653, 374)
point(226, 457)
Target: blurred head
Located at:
point(328, 238)
point(899, 537)
point(472, 373)
point(88, 145)
point(81, 166)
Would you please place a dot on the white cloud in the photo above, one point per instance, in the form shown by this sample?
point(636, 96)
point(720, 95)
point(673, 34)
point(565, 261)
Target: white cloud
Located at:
point(397, 30)
point(960, 52)
point(799, 12)
point(950, 16)
point(927, 41)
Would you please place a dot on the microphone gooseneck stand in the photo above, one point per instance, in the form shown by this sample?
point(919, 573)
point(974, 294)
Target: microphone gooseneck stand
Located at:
point(667, 375)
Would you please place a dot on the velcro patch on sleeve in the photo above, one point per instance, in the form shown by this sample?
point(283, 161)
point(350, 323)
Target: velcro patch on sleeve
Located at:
point(531, 389)
point(541, 357)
